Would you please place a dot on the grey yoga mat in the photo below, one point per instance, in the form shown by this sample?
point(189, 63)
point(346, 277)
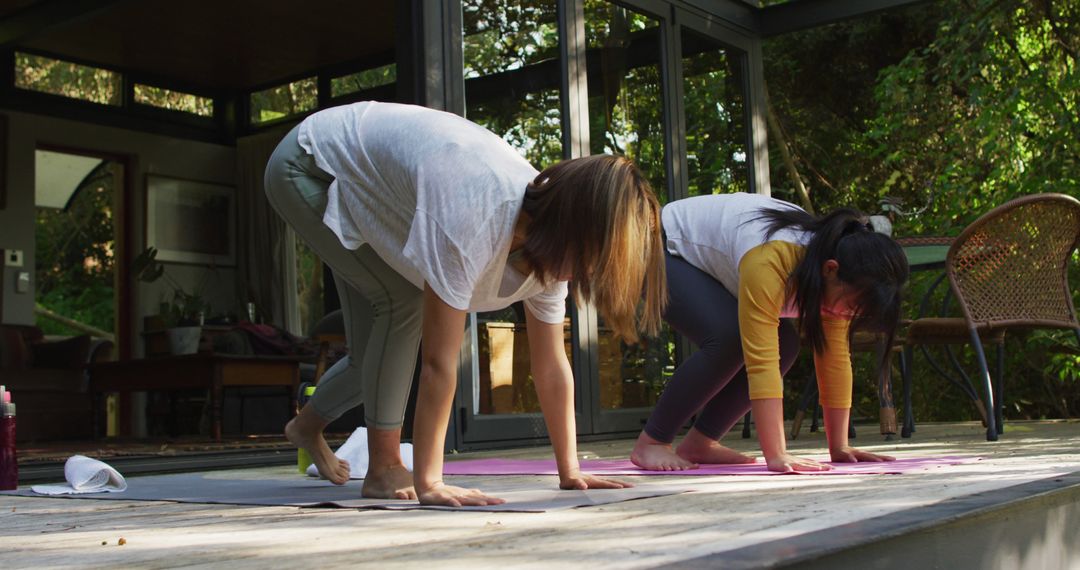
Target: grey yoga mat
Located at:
point(307, 492)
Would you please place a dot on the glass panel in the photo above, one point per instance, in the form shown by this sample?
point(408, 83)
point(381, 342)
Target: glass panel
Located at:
point(48, 75)
point(174, 100)
point(309, 287)
point(75, 265)
point(511, 57)
point(361, 80)
point(284, 101)
point(512, 87)
point(505, 383)
point(716, 128)
point(626, 110)
point(626, 114)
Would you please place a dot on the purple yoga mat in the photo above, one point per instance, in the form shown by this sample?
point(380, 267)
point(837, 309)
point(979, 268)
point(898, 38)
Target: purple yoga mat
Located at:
point(625, 467)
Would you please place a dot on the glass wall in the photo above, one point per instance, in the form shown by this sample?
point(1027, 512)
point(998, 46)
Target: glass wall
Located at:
point(626, 117)
point(714, 99)
point(284, 101)
point(512, 87)
point(67, 79)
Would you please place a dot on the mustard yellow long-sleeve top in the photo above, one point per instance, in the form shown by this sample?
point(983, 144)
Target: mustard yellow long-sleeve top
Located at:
point(763, 282)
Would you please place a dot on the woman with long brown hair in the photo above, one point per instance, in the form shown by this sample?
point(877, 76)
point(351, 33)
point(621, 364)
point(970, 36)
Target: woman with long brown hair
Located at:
point(424, 216)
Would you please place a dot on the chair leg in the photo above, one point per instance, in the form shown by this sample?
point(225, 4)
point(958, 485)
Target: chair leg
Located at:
point(906, 363)
point(886, 407)
point(967, 386)
point(991, 421)
point(814, 418)
point(805, 401)
point(999, 408)
point(746, 426)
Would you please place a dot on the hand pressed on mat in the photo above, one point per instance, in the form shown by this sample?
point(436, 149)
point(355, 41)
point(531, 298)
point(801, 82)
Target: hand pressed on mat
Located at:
point(448, 495)
point(581, 481)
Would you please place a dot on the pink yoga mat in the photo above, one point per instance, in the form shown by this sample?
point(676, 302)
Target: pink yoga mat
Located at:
point(625, 467)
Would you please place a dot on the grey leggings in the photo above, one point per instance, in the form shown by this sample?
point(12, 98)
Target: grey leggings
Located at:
point(713, 380)
point(381, 309)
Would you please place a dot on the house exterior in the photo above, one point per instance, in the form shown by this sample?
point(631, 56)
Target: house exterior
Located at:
point(201, 91)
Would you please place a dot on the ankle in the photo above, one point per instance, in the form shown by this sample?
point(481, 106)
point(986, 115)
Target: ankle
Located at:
point(307, 422)
point(646, 439)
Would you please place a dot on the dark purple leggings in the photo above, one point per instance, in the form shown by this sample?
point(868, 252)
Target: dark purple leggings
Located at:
point(713, 379)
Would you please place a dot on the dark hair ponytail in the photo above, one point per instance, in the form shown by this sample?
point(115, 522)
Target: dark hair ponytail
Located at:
point(871, 263)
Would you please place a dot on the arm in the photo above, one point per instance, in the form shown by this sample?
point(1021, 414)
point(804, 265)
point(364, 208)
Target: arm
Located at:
point(763, 275)
point(441, 336)
point(554, 382)
point(836, 431)
point(834, 384)
point(769, 421)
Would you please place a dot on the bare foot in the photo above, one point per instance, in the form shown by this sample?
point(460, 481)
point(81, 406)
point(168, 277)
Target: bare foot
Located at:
point(654, 455)
point(329, 465)
point(394, 482)
point(711, 452)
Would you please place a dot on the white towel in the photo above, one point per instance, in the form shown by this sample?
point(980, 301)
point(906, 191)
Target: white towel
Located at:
point(85, 475)
point(355, 451)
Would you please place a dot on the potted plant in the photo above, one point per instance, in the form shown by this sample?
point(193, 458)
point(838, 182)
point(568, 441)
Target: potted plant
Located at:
point(182, 314)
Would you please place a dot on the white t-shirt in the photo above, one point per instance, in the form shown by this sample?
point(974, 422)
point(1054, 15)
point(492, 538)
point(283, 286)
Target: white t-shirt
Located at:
point(435, 196)
point(714, 232)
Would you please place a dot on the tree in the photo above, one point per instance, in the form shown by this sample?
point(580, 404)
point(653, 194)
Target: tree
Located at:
point(75, 256)
point(960, 106)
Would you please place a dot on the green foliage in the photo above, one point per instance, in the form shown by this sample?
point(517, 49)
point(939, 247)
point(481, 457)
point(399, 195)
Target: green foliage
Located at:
point(716, 128)
point(284, 101)
point(503, 37)
point(950, 108)
point(57, 77)
point(174, 100)
point(626, 107)
point(74, 256)
point(383, 75)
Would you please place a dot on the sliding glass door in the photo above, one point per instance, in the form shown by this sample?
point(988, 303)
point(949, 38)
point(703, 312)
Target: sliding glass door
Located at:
point(660, 84)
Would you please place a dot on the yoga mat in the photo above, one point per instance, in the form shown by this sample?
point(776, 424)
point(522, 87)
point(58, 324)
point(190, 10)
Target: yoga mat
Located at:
point(306, 492)
point(625, 467)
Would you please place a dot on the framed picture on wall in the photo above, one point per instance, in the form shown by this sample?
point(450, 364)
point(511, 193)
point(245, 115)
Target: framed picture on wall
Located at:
point(190, 221)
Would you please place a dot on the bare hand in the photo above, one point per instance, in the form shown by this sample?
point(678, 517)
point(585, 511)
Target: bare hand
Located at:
point(787, 463)
point(848, 454)
point(582, 481)
point(451, 496)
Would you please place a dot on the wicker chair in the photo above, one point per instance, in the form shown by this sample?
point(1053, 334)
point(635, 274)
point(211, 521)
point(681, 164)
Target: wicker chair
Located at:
point(1008, 269)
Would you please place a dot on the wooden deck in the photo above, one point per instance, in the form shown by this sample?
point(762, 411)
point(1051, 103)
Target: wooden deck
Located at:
point(727, 522)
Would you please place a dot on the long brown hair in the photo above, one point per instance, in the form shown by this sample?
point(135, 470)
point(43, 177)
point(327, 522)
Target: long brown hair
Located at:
point(598, 217)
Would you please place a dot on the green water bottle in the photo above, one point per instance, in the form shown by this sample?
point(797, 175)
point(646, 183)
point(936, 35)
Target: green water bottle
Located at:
point(303, 458)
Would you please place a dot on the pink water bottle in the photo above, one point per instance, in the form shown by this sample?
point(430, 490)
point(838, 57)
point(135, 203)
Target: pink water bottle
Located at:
point(9, 466)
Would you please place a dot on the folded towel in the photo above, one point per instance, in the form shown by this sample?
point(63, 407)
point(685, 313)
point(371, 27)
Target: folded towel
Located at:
point(85, 475)
point(355, 451)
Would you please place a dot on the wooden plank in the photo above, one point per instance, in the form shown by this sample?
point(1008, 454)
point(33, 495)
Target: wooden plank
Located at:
point(724, 514)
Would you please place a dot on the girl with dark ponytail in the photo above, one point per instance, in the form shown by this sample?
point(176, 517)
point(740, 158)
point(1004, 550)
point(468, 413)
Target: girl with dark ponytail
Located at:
point(741, 268)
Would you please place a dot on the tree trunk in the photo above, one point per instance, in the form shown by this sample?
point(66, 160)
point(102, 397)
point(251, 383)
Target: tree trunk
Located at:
point(785, 155)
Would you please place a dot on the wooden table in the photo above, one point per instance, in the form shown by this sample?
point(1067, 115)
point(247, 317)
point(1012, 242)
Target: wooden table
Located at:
point(213, 372)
